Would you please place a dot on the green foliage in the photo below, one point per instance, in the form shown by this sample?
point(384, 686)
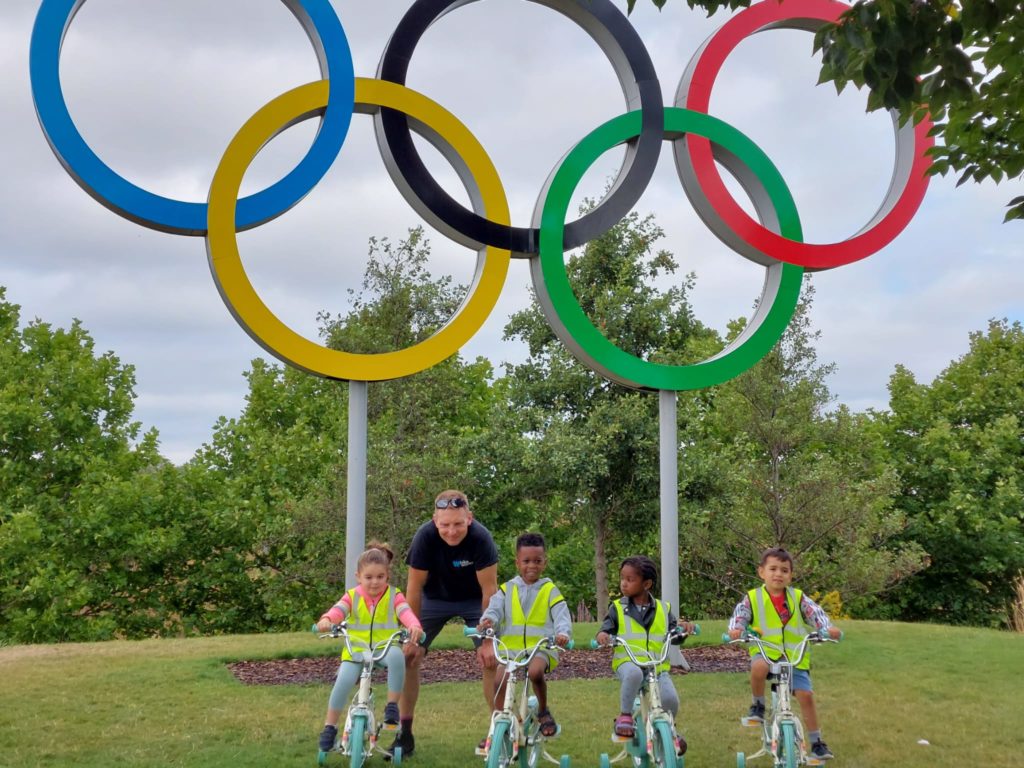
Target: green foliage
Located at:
point(785, 471)
point(593, 458)
point(957, 446)
point(964, 60)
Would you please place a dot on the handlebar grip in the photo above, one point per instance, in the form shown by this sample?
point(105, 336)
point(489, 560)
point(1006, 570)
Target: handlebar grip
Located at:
point(594, 644)
point(696, 630)
point(841, 636)
point(726, 638)
point(468, 631)
point(314, 629)
point(570, 645)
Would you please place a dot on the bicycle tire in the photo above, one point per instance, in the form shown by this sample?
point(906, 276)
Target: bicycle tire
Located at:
point(355, 741)
point(787, 745)
point(664, 746)
point(530, 755)
point(500, 754)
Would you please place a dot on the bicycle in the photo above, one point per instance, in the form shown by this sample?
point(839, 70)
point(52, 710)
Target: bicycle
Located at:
point(515, 730)
point(654, 736)
point(358, 739)
point(782, 732)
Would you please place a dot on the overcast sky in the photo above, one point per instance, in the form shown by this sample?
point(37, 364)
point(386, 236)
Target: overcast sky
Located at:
point(159, 87)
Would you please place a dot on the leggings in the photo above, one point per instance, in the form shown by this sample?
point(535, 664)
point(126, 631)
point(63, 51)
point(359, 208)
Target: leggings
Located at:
point(632, 677)
point(348, 676)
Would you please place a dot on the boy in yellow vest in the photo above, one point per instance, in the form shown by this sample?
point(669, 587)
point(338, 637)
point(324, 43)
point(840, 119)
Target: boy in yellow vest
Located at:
point(781, 614)
point(524, 609)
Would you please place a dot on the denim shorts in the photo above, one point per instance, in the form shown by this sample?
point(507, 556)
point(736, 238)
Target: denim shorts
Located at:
point(801, 680)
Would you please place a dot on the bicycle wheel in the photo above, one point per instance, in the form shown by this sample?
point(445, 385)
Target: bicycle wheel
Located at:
point(664, 746)
point(500, 755)
point(530, 755)
point(355, 741)
point(787, 745)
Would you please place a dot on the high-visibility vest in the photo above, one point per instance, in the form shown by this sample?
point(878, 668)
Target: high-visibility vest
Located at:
point(365, 627)
point(768, 622)
point(519, 630)
point(643, 642)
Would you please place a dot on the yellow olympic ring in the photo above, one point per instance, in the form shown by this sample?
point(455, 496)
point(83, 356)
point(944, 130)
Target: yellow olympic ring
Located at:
point(435, 124)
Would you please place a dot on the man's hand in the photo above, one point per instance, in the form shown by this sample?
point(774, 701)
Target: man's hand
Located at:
point(485, 655)
point(561, 640)
point(835, 632)
point(603, 638)
point(734, 634)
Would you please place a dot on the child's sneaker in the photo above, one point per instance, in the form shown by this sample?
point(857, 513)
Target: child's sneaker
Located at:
point(327, 738)
point(391, 714)
point(821, 751)
point(755, 716)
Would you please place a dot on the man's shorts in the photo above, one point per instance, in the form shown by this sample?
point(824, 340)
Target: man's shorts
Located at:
point(434, 614)
point(801, 680)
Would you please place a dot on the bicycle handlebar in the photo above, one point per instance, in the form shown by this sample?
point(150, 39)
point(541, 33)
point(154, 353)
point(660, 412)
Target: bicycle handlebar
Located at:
point(377, 651)
point(801, 648)
point(652, 661)
point(522, 658)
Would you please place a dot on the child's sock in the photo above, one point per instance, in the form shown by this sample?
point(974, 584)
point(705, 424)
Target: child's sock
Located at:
point(814, 736)
point(758, 700)
point(406, 725)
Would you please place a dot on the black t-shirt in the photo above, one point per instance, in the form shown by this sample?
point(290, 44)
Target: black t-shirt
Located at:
point(452, 570)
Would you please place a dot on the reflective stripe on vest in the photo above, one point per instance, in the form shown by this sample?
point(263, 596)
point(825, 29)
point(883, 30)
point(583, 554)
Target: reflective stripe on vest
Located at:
point(519, 630)
point(644, 642)
point(366, 627)
point(768, 622)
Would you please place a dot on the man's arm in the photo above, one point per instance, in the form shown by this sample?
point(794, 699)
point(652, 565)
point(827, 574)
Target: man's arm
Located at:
point(488, 578)
point(414, 589)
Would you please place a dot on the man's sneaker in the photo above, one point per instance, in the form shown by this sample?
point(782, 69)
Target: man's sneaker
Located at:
point(755, 716)
point(821, 751)
point(327, 738)
point(391, 714)
point(403, 740)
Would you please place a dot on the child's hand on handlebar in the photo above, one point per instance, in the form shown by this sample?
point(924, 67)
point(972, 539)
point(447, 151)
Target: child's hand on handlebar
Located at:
point(734, 634)
point(324, 625)
point(603, 638)
point(561, 640)
point(484, 625)
point(835, 632)
point(415, 633)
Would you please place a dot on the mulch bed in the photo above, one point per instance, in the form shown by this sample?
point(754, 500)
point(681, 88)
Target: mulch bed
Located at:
point(456, 666)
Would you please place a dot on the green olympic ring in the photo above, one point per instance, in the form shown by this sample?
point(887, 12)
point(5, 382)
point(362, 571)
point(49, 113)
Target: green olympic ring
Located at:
point(570, 323)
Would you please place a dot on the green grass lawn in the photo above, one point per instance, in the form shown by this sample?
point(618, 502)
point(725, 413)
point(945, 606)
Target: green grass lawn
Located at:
point(174, 703)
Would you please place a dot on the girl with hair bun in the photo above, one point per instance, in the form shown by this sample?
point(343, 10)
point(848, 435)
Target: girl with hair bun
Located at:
point(372, 610)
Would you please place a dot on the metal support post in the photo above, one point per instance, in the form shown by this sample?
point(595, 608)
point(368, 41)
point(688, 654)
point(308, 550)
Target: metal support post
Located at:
point(669, 477)
point(355, 510)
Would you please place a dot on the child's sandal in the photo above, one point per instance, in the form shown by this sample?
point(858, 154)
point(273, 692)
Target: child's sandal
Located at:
point(624, 726)
point(548, 726)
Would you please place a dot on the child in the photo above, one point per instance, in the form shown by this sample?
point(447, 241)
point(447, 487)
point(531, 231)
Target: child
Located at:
point(779, 612)
point(373, 611)
point(643, 621)
point(524, 609)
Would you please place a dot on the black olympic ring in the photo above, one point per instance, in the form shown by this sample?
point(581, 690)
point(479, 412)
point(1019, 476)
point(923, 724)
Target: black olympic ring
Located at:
point(612, 31)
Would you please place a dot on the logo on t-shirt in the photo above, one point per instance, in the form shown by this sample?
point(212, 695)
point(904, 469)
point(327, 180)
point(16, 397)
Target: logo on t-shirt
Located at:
point(461, 563)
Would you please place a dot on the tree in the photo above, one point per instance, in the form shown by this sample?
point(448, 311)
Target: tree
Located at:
point(957, 444)
point(594, 444)
point(774, 467)
point(963, 59)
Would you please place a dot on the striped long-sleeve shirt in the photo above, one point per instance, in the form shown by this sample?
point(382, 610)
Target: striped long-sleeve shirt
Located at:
point(812, 613)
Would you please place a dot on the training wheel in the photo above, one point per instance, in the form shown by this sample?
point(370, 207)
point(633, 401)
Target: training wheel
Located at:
point(321, 758)
point(396, 756)
point(605, 761)
point(741, 760)
point(565, 762)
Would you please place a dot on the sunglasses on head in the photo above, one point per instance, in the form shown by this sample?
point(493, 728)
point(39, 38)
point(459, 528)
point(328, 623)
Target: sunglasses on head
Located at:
point(457, 503)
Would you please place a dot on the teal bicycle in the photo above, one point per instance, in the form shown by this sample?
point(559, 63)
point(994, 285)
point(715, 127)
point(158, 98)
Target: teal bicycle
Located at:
point(782, 732)
point(358, 739)
point(655, 739)
point(515, 730)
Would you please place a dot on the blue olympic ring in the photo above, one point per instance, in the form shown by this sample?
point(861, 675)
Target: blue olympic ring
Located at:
point(327, 35)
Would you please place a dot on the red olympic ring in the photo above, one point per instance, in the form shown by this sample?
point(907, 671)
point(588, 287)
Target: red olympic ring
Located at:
point(737, 228)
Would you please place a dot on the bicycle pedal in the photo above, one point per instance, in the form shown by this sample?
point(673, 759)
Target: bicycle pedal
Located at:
point(389, 727)
point(748, 722)
point(480, 752)
point(616, 739)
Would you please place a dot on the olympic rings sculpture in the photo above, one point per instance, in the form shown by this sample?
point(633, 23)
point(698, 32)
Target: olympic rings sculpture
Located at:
point(700, 143)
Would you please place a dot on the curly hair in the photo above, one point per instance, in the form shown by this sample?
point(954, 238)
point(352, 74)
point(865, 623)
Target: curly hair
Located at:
point(643, 565)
